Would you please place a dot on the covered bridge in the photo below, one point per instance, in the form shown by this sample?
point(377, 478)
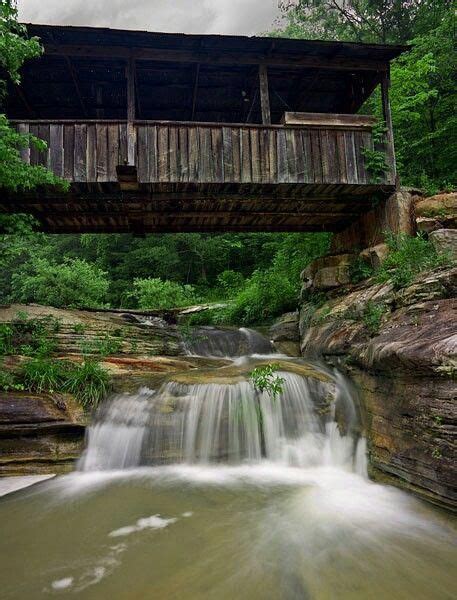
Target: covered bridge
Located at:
point(170, 132)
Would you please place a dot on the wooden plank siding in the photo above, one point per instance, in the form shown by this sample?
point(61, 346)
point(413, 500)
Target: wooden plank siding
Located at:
point(190, 153)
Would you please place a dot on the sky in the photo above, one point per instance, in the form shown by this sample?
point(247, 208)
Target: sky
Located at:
point(240, 17)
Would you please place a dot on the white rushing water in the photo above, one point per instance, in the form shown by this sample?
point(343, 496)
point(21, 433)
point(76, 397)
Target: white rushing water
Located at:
point(205, 489)
point(207, 423)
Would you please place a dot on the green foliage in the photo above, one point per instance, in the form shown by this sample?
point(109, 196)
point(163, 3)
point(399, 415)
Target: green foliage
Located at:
point(422, 93)
point(372, 316)
point(73, 283)
point(9, 382)
point(28, 336)
point(375, 159)
point(15, 49)
point(88, 382)
point(230, 282)
point(359, 270)
point(264, 379)
point(156, 293)
point(43, 374)
point(275, 290)
point(408, 257)
point(106, 345)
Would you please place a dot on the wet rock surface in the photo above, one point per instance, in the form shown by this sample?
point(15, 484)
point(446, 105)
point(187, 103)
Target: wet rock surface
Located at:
point(406, 374)
point(39, 433)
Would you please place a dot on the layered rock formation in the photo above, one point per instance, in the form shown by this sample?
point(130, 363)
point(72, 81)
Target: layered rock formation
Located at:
point(400, 347)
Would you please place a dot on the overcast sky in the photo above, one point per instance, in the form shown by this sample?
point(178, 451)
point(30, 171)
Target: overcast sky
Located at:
point(242, 17)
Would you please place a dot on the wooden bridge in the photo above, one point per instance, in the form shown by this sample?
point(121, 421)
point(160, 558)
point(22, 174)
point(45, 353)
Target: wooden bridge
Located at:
point(258, 167)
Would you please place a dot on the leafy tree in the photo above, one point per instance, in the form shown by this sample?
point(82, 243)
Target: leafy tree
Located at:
point(156, 293)
point(422, 94)
point(16, 48)
point(381, 21)
point(74, 283)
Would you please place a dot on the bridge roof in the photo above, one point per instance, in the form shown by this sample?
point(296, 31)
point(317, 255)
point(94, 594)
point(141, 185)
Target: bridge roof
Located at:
point(272, 50)
point(179, 77)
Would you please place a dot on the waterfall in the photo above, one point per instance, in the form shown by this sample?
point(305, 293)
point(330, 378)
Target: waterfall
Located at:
point(227, 342)
point(228, 422)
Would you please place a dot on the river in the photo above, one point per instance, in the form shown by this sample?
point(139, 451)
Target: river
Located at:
point(206, 488)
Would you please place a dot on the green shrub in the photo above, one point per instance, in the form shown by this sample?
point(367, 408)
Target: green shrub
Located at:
point(106, 345)
point(264, 379)
point(44, 375)
point(28, 336)
point(372, 316)
point(9, 381)
point(230, 282)
point(74, 283)
point(359, 270)
point(408, 257)
point(157, 293)
point(88, 382)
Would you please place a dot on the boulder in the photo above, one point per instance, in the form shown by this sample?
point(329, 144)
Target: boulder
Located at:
point(445, 241)
point(285, 334)
point(328, 272)
point(39, 433)
point(375, 255)
point(440, 206)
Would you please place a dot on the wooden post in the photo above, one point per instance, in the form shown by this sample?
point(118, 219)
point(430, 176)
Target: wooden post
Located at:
point(390, 150)
point(264, 95)
point(131, 141)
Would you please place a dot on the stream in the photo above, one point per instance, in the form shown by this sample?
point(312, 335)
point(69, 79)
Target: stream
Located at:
point(205, 488)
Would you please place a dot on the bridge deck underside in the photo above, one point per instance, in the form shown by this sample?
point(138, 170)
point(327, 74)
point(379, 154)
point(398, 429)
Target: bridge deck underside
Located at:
point(184, 207)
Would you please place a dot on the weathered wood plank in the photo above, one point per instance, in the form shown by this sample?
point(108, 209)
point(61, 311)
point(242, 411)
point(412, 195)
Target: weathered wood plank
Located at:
point(56, 149)
point(330, 120)
point(23, 128)
point(205, 158)
point(143, 154)
point(307, 156)
point(80, 153)
point(334, 176)
point(173, 149)
point(273, 156)
point(316, 153)
point(153, 155)
point(236, 151)
point(291, 155)
point(102, 152)
point(91, 153)
point(283, 170)
point(162, 152)
point(69, 152)
point(123, 150)
point(299, 156)
point(255, 156)
point(341, 150)
point(362, 173)
point(351, 161)
point(216, 142)
point(246, 167)
point(227, 153)
point(194, 153)
point(183, 155)
point(113, 151)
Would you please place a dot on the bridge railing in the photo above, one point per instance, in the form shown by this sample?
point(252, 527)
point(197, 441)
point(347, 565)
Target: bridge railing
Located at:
point(205, 153)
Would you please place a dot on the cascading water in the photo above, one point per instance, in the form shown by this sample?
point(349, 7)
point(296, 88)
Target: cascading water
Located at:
point(206, 489)
point(226, 422)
